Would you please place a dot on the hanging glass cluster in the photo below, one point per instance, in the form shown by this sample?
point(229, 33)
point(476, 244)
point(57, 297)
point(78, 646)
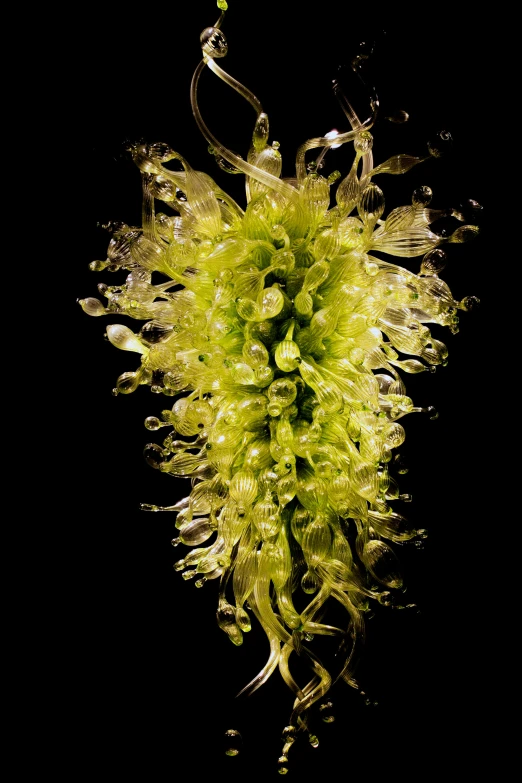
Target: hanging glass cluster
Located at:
point(281, 336)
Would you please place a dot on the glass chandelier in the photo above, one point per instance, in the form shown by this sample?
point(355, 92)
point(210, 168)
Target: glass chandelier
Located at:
point(280, 332)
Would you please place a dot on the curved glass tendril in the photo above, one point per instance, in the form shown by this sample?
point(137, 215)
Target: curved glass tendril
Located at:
point(281, 337)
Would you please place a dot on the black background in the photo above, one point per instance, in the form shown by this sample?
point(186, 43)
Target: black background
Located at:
point(149, 676)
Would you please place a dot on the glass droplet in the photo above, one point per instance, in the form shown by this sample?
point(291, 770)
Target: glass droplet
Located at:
point(400, 465)
point(440, 144)
point(154, 332)
point(422, 196)
point(92, 306)
point(152, 423)
point(309, 583)
point(326, 712)
point(282, 765)
point(464, 234)
point(289, 733)
point(233, 742)
point(313, 740)
point(153, 455)
point(371, 204)
point(468, 211)
point(261, 130)
point(398, 117)
point(97, 266)
point(433, 262)
point(470, 303)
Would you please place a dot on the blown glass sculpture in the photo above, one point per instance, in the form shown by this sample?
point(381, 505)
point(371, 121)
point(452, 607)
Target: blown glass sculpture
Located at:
point(281, 333)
